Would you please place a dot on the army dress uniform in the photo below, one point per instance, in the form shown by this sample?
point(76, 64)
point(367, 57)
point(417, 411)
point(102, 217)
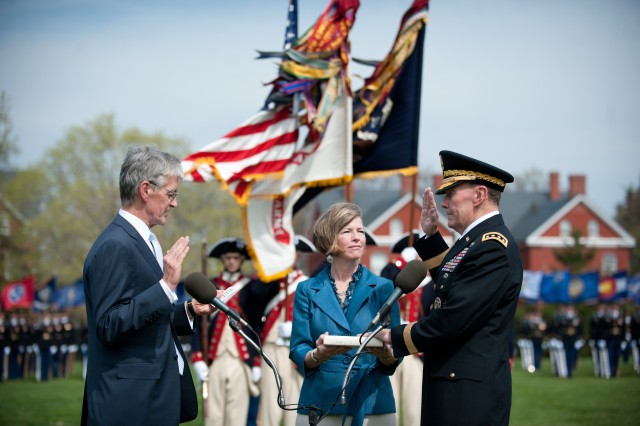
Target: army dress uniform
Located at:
point(468, 325)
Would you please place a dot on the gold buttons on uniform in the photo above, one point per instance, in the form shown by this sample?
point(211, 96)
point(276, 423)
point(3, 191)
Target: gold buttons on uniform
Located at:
point(452, 375)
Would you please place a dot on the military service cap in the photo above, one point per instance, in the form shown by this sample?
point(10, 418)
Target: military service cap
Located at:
point(458, 168)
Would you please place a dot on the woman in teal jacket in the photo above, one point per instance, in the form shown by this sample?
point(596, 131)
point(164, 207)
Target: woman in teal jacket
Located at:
point(342, 300)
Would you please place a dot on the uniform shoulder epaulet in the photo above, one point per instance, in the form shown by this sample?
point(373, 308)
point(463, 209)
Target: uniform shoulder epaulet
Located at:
point(496, 236)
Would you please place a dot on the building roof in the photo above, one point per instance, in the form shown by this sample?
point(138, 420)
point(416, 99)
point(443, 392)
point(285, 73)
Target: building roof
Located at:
point(524, 212)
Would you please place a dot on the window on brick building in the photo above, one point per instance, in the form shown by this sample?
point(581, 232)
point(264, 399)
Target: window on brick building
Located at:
point(377, 261)
point(594, 228)
point(396, 227)
point(565, 228)
point(609, 264)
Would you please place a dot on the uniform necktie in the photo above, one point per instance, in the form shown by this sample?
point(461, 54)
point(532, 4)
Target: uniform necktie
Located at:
point(157, 251)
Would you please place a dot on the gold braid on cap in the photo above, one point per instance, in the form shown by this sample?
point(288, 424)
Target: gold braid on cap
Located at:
point(455, 175)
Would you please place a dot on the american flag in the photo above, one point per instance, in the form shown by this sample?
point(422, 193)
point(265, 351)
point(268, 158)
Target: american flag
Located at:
point(261, 147)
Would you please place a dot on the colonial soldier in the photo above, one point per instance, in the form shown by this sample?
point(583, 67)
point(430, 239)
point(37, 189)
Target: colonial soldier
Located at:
point(229, 356)
point(466, 332)
point(275, 337)
point(406, 381)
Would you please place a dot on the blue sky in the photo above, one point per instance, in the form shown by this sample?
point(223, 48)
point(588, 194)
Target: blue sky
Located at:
point(552, 85)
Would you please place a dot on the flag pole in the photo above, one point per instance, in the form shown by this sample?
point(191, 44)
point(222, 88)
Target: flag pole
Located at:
point(204, 328)
point(414, 184)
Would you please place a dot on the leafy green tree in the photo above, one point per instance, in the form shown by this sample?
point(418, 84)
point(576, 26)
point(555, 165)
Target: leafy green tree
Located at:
point(628, 215)
point(575, 257)
point(78, 195)
point(8, 143)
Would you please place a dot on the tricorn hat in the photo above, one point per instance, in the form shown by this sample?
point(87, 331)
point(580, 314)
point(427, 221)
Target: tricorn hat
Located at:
point(458, 168)
point(303, 245)
point(403, 242)
point(228, 245)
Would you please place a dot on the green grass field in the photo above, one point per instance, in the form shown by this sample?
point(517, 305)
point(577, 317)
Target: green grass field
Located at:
point(538, 399)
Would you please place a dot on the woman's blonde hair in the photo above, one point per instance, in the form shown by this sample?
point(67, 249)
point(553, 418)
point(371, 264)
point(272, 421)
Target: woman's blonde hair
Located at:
point(329, 225)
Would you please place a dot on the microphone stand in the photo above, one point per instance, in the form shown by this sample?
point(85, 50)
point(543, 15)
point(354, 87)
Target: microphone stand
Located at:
point(236, 327)
point(383, 323)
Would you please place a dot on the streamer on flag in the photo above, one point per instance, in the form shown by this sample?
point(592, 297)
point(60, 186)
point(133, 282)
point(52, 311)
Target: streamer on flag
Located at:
point(386, 110)
point(263, 164)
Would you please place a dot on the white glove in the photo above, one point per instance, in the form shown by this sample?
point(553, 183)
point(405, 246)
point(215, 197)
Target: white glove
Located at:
point(284, 329)
point(602, 344)
point(578, 344)
point(256, 374)
point(202, 370)
point(53, 350)
point(7, 350)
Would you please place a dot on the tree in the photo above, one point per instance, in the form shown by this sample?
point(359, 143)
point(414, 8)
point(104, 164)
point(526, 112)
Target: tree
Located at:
point(628, 215)
point(532, 180)
point(78, 195)
point(8, 144)
point(575, 257)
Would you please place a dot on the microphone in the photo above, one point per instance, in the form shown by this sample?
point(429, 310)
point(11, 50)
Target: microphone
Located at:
point(408, 279)
point(199, 286)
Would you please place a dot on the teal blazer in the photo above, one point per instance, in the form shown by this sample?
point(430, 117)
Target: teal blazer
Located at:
point(316, 311)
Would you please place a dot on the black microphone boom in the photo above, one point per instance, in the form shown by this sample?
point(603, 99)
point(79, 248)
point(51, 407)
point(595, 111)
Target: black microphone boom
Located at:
point(199, 286)
point(408, 279)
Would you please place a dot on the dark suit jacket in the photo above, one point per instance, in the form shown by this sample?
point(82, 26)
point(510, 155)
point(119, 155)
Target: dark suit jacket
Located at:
point(467, 327)
point(132, 375)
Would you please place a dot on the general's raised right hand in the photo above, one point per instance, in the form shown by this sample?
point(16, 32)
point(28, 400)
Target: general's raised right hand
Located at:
point(429, 216)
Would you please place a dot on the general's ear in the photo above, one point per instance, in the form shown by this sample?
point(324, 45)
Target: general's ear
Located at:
point(480, 194)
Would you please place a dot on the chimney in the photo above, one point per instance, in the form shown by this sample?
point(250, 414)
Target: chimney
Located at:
point(437, 182)
point(554, 186)
point(408, 183)
point(577, 185)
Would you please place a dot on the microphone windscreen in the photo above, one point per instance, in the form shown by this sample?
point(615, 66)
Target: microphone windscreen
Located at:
point(410, 277)
point(199, 286)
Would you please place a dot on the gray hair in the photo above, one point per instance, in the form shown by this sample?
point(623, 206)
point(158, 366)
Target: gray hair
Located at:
point(146, 163)
point(329, 225)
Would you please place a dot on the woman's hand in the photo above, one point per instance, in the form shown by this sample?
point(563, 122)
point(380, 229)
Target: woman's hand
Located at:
point(322, 352)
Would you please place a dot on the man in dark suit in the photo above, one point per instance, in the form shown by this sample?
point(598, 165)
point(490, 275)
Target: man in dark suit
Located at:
point(137, 372)
point(468, 322)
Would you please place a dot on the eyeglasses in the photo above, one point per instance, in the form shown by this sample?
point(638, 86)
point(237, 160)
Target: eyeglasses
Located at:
point(171, 195)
